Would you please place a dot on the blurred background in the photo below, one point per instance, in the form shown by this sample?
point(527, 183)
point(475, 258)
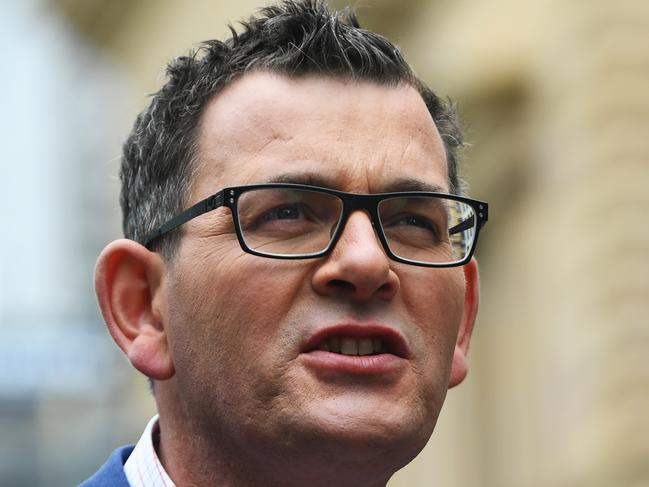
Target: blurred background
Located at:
point(555, 98)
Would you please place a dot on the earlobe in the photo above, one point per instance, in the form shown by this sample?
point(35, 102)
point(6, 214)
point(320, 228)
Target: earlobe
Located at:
point(130, 290)
point(471, 302)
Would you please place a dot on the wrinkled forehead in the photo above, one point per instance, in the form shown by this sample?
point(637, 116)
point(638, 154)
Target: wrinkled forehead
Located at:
point(357, 134)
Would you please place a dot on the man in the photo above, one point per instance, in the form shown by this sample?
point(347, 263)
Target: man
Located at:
point(297, 279)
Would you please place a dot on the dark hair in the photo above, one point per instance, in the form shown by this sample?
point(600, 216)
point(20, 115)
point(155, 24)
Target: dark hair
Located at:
point(294, 38)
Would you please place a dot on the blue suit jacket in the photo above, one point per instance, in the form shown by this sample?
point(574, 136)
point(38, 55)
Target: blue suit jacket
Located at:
point(111, 474)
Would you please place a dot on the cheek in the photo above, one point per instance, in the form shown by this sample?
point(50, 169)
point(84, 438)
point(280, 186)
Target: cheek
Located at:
point(434, 301)
point(228, 319)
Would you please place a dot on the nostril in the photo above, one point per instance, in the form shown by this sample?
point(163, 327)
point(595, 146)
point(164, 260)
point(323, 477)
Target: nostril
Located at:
point(386, 287)
point(342, 285)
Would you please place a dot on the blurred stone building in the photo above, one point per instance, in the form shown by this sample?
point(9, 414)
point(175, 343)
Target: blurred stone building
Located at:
point(555, 98)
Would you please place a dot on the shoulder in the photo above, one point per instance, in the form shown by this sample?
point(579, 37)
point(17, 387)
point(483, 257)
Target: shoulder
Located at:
point(111, 473)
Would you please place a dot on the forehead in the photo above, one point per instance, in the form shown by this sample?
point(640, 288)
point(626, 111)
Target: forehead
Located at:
point(356, 136)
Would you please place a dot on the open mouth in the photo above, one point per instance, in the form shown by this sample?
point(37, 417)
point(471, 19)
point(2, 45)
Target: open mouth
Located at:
point(354, 346)
point(367, 350)
point(358, 341)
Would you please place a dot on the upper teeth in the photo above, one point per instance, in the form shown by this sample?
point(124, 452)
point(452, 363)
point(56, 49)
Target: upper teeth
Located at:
point(353, 346)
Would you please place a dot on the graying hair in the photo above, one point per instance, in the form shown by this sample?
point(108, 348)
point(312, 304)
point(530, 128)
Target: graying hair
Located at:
point(294, 38)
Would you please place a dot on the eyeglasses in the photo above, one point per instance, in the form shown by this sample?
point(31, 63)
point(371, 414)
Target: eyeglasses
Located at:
point(294, 221)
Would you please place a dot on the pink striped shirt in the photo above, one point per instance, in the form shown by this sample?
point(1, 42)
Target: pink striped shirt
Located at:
point(143, 467)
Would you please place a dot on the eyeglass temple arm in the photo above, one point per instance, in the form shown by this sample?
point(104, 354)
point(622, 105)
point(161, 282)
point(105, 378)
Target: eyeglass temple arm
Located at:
point(468, 223)
point(462, 226)
point(199, 208)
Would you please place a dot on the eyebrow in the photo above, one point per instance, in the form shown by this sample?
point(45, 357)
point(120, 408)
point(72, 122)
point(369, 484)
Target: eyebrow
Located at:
point(394, 186)
point(411, 184)
point(306, 178)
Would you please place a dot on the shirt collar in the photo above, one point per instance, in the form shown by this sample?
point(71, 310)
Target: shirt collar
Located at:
point(143, 467)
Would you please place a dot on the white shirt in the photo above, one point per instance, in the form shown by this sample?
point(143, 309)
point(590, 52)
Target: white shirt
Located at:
point(143, 467)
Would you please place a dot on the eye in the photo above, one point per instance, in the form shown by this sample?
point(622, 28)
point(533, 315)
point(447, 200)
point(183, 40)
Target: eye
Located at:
point(412, 230)
point(415, 221)
point(289, 212)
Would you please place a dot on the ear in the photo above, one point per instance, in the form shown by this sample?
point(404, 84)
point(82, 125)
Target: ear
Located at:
point(130, 289)
point(471, 302)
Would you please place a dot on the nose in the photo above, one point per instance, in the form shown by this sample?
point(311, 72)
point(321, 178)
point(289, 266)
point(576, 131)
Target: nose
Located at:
point(358, 267)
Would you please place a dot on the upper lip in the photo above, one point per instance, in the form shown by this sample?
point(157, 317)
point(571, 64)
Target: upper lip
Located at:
point(394, 340)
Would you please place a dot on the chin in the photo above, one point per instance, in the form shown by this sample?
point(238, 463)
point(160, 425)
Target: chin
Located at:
point(395, 436)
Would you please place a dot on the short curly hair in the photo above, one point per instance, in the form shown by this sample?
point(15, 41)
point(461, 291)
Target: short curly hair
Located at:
point(294, 38)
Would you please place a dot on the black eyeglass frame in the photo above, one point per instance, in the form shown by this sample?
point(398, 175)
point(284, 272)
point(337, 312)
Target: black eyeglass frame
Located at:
point(229, 198)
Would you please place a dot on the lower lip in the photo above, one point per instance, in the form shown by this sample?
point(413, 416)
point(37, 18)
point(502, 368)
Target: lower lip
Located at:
point(382, 364)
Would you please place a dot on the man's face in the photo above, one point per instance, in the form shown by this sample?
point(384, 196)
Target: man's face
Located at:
point(241, 327)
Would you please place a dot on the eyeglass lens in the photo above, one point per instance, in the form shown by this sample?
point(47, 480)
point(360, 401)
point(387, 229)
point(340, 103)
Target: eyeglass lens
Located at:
point(283, 221)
